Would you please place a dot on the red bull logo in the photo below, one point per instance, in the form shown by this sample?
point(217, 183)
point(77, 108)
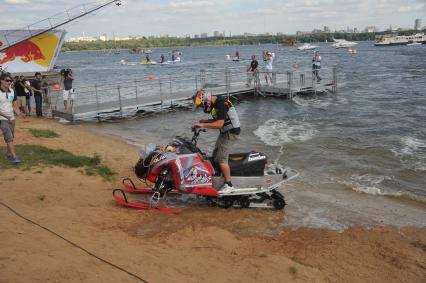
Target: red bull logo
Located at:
point(26, 50)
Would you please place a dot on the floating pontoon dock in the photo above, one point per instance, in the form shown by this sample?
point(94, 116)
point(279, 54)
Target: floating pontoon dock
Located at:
point(104, 101)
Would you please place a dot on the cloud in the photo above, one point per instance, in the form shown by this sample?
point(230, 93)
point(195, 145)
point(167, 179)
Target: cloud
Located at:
point(409, 9)
point(180, 17)
point(16, 2)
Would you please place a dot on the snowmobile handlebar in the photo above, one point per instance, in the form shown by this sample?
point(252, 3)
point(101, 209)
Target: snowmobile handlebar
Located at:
point(196, 132)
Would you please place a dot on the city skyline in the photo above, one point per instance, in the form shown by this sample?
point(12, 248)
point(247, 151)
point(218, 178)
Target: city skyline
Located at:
point(183, 17)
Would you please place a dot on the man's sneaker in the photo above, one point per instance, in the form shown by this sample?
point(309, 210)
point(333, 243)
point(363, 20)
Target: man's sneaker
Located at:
point(226, 189)
point(12, 159)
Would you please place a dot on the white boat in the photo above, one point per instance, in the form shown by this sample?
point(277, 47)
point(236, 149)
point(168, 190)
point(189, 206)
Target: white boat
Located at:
point(146, 51)
point(414, 44)
point(177, 60)
point(390, 39)
point(352, 50)
point(307, 46)
point(343, 43)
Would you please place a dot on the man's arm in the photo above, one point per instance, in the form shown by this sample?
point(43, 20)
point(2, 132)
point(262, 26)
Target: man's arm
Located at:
point(16, 109)
point(34, 89)
point(206, 121)
point(217, 124)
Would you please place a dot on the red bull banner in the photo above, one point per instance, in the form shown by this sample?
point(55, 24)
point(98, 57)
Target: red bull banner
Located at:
point(37, 54)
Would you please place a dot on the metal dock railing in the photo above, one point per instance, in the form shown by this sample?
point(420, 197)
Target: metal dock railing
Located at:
point(111, 100)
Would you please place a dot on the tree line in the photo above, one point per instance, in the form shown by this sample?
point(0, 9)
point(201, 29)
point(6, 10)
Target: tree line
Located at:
point(234, 40)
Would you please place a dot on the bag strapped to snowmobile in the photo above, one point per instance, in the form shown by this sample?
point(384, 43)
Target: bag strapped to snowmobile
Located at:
point(140, 205)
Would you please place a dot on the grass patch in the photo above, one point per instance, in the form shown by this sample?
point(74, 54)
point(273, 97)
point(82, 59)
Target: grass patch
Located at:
point(35, 155)
point(39, 133)
point(105, 172)
point(292, 270)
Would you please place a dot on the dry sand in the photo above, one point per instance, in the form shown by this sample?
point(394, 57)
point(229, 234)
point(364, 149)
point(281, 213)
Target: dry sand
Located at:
point(201, 244)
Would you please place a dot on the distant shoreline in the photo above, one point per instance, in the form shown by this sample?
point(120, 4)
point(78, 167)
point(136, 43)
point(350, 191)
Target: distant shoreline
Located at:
point(175, 42)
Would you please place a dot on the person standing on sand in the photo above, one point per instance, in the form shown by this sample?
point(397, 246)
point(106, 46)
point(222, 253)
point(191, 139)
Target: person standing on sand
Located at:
point(8, 107)
point(36, 86)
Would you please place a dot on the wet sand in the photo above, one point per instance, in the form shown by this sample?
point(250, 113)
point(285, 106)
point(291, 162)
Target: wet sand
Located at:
point(371, 239)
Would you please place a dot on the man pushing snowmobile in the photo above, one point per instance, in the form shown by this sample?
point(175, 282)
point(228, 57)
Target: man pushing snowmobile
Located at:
point(224, 118)
point(181, 167)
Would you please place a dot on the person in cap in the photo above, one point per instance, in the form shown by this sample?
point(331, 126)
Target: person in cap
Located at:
point(225, 119)
point(268, 67)
point(8, 107)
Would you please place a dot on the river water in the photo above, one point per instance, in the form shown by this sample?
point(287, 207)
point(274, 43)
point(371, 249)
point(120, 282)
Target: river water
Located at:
point(363, 144)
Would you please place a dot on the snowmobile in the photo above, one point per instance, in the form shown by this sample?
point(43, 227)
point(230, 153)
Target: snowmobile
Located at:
point(182, 167)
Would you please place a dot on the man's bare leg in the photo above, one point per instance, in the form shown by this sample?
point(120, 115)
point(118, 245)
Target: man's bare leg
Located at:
point(226, 170)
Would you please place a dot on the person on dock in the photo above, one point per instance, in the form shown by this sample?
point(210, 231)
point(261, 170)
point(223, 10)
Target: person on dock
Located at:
point(38, 94)
point(251, 70)
point(8, 107)
point(268, 67)
point(67, 78)
point(225, 119)
point(162, 58)
point(147, 59)
point(316, 66)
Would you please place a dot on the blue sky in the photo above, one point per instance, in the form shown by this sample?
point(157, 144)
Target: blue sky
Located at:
point(180, 17)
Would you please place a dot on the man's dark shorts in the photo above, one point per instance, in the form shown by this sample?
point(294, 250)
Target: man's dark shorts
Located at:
point(223, 146)
point(8, 129)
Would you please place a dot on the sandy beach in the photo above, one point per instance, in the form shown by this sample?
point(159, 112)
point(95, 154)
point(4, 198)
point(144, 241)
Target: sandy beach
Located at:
point(201, 244)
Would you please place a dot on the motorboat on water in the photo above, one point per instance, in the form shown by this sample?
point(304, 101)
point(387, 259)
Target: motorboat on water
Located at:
point(125, 62)
point(148, 62)
point(414, 43)
point(307, 46)
point(146, 51)
point(343, 43)
point(352, 50)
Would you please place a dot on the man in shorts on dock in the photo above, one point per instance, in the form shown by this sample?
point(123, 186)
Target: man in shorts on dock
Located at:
point(268, 67)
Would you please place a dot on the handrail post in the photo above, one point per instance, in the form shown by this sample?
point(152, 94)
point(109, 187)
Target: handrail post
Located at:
point(203, 78)
point(171, 92)
point(290, 84)
point(334, 88)
point(97, 102)
point(302, 80)
point(274, 78)
point(196, 83)
point(256, 82)
point(227, 81)
point(136, 95)
point(313, 80)
point(161, 94)
point(119, 100)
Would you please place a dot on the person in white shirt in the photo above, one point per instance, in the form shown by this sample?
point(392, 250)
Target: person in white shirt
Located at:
point(316, 66)
point(8, 107)
point(269, 60)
